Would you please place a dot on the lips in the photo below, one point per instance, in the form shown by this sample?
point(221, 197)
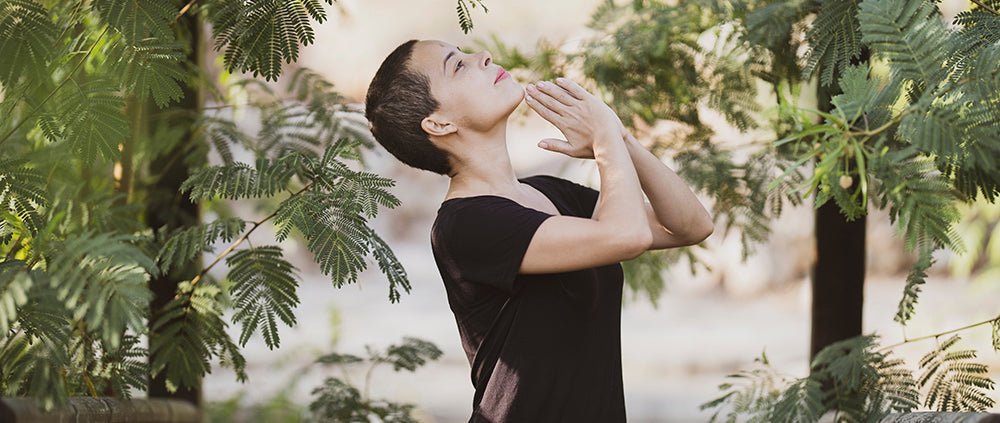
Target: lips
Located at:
point(501, 74)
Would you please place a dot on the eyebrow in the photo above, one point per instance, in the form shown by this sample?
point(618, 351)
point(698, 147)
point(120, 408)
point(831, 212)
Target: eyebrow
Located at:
point(444, 66)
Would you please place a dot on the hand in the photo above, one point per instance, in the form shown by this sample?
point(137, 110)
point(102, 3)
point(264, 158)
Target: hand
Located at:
point(582, 117)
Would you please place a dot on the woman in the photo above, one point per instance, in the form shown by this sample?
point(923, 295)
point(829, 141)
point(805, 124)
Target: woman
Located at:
point(530, 265)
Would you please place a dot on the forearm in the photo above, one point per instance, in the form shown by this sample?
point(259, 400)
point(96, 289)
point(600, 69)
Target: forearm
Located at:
point(621, 200)
point(676, 206)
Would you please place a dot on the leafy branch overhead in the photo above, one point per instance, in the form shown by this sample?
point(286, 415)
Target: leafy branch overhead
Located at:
point(95, 103)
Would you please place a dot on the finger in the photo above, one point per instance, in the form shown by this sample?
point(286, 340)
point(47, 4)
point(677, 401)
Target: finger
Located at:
point(556, 92)
point(542, 111)
point(572, 88)
point(547, 100)
point(557, 145)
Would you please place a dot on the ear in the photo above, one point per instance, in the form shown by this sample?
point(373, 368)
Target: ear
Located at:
point(436, 125)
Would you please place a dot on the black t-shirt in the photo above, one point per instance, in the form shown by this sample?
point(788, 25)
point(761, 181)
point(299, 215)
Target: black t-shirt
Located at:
point(543, 347)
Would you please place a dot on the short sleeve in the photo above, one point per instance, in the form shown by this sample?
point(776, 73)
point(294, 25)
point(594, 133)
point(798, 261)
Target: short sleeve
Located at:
point(483, 240)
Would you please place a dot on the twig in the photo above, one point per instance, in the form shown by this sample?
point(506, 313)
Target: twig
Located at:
point(68, 77)
point(239, 241)
point(184, 10)
point(987, 7)
point(936, 335)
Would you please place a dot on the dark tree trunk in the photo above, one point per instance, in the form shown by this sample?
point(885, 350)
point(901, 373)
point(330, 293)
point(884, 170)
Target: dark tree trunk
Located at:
point(838, 277)
point(166, 207)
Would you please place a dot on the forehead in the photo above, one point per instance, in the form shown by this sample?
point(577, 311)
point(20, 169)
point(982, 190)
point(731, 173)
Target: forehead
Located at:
point(428, 56)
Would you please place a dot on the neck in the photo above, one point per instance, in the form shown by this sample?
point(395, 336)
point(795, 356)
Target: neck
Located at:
point(482, 164)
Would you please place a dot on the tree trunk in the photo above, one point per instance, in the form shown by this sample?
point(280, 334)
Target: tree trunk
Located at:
point(165, 206)
point(838, 277)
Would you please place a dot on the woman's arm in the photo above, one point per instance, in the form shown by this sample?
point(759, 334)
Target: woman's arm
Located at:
point(676, 217)
point(616, 232)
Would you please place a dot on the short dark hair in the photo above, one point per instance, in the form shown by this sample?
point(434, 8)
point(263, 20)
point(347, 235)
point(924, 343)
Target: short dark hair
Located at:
point(398, 99)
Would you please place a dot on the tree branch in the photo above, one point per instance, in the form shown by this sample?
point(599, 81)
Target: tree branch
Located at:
point(987, 7)
point(239, 241)
point(921, 338)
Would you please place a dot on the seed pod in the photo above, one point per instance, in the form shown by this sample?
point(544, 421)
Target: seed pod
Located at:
point(846, 181)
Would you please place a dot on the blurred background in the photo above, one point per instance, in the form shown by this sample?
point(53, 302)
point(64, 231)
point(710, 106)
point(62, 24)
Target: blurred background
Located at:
point(675, 352)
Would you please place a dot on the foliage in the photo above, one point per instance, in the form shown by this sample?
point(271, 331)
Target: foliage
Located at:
point(913, 131)
point(870, 384)
point(339, 399)
point(89, 121)
point(464, 17)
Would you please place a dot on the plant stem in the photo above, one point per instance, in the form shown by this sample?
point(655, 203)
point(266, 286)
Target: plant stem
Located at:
point(184, 10)
point(987, 7)
point(368, 380)
point(242, 238)
point(891, 122)
point(936, 335)
point(68, 77)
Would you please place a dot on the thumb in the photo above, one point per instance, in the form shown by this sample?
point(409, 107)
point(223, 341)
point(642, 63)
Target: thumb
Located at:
point(555, 144)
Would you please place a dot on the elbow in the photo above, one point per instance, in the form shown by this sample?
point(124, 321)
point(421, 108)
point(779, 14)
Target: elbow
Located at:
point(638, 242)
point(702, 232)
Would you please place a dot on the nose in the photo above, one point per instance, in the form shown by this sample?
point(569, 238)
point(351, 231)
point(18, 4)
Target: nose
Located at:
point(487, 58)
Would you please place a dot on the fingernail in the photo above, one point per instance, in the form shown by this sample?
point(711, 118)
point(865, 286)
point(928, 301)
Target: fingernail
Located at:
point(561, 79)
point(543, 145)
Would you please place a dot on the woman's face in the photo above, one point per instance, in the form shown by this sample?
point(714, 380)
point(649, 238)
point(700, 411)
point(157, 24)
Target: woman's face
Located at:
point(473, 92)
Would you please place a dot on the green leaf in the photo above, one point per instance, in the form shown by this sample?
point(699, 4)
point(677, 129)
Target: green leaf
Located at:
point(412, 353)
point(258, 36)
point(185, 244)
point(137, 20)
point(27, 36)
point(910, 34)
point(802, 402)
point(14, 286)
point(190, 331)
point(911, 291)
point(263, 290)
point(953, 381)
point(834, 39)
point(94, 119)
point(152, 67)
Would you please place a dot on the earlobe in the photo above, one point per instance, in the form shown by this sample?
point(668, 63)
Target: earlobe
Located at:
point(433, 126)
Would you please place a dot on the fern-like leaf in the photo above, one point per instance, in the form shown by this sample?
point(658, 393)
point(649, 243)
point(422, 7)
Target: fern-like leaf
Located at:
point(239, 180)
point(464, 17)
point(94, 119)
point(921, 201)
point(22, 192)
point(138, 20)
point(752, 393)
point(152, 67)
point(190, 331)
point(102, 278)
point(27, 35)
point(953, 381)
point(801, 402)
point(263, 289)
point(916, 278)
point(834, 39)
point(910, 34)
point(185, 245)
point(409, 355)
point(14, 286)
point(390, 266)
point(259, 36)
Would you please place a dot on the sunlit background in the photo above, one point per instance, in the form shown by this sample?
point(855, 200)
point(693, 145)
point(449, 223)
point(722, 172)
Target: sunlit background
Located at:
point(705, 326)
